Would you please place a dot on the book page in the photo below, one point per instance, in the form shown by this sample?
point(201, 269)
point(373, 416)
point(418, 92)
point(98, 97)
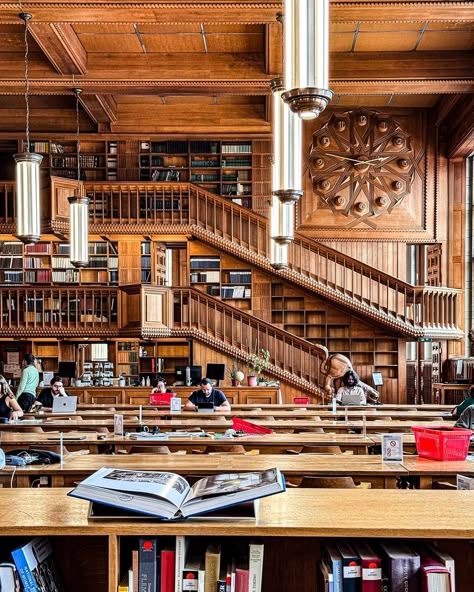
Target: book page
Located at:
point(169, 486)
point(216, 485)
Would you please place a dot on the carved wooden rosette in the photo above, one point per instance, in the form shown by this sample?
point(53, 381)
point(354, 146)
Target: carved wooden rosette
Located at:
point(361, 164)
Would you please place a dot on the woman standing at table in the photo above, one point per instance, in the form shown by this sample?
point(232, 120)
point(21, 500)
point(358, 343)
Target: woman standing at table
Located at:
point(9, 408)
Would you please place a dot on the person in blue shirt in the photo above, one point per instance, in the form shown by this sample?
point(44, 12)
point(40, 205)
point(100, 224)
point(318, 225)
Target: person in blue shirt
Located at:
point(26, 392)
point(207, 393)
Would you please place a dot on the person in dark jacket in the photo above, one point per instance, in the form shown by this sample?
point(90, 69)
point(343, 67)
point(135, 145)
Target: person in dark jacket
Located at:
point(467, 418)
point(56, 389)
point(468, 401)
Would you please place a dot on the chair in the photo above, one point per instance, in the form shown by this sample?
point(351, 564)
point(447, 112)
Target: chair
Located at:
point(149, 450)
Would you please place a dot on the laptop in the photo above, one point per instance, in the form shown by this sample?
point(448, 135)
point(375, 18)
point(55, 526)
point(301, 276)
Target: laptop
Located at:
point(64, 405)
point(205, 407)
point(350, 399)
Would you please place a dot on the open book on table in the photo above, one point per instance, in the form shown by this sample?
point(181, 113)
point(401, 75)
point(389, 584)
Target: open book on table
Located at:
point(170, 496)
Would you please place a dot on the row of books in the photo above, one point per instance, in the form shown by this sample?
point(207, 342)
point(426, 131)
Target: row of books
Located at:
point(43, 276)
point(35, 262)
point(167, 175)
point(40, 248)
point(236, 292)
point(11, 263)
point(388, 566)
point(206, 277)
point(205, 262)
point(236, 162)
point(182, 565)
point(33, 565)
point(11, 248)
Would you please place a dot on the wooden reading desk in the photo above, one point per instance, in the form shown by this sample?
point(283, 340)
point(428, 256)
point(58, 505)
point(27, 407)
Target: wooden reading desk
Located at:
point(367, 468)
point(439, 389)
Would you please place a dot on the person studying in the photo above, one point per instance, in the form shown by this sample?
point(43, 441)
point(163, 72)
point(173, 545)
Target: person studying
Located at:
point(56, 389)
point(207, 394)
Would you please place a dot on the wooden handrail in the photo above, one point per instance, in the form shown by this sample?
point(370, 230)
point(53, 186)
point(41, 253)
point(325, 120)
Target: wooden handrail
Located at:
point(237, 333)
point(59, 311)
point(183, 207)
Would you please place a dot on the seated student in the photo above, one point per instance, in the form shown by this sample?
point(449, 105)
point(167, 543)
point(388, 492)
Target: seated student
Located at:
point(467, 418)
point(9, 408)
point(469, 400)
point(56, 389)
point(351, 393)
point(207, 393)
point(159, 386)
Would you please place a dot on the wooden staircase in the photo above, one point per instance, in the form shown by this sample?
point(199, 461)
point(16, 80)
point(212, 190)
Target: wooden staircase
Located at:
point(182, 208)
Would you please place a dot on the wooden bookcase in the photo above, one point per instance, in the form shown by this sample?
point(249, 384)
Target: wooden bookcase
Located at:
point(48, 262)
point(292, 526)
point(221, 167)
point(221, 277)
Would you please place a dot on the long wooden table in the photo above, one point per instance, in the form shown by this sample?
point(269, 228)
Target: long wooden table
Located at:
point(215, 422)
point(439, 390)
point(428, 471)
point(293, 413)
point(367, 468)
point(266, 444)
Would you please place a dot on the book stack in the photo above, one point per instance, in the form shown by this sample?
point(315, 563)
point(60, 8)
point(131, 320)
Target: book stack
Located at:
point(166, 565)
point(36, 567)
point(390, 565)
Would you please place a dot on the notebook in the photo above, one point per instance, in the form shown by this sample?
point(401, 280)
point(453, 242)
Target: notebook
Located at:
point(64, 404)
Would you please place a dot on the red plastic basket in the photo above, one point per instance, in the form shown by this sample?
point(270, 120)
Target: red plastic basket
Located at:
point(163, 399)
point(301, 400)
point(248, 427)
point(442, 443)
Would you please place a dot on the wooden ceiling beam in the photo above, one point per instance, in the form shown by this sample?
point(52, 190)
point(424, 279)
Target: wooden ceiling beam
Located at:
point(100, 108)
point(230, 11)
point(61, 46)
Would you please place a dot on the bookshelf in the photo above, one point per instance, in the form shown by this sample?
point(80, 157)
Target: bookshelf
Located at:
point(160, 358)
point(60, 158)
point(126, 357)
point(220, 167)
point(293, 528)
point(48, 262)
point(205, 274)
point(46, 354)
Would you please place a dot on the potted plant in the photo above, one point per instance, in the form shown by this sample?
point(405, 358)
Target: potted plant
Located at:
point(236, 374)
point(257, 362)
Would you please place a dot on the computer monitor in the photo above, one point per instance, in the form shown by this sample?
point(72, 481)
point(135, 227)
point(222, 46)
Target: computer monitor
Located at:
point(215, 372)
point(195, 374)
point(67, 370)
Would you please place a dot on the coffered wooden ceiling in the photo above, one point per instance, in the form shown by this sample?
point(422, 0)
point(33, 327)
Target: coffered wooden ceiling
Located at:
point(199, 67)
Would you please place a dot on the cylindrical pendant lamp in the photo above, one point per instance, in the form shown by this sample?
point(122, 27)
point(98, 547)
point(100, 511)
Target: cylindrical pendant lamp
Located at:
point(278, 254)
point(287, 148)
point(28, 197)
point(307, 57)
point(79, 231)
point(27, 168)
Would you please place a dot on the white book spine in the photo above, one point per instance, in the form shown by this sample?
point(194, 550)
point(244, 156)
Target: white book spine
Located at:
point(180, 561)
point(255, 567)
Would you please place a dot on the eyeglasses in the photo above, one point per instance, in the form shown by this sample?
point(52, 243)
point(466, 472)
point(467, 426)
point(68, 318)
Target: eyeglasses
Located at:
point(58, 385)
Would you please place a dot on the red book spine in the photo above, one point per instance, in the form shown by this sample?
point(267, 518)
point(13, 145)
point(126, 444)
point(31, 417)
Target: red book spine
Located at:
point(168, 559)
point(371, 575)
point(241, 580)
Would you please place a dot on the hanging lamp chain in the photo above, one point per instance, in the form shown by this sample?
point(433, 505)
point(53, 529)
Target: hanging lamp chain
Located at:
point(26, 17)
point(77, 92)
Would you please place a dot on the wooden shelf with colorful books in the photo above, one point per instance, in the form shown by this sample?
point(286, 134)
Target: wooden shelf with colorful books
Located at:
point(295, 529)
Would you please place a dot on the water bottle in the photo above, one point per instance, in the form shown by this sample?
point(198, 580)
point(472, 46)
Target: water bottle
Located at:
point(334, 405)
point(143, 383)
point(188, 375)
point(148, 382)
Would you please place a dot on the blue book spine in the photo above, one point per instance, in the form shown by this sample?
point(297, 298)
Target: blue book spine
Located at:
point(147, 565)
point(24, 570)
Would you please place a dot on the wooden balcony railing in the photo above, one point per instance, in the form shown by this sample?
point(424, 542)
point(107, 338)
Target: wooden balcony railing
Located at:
point(58, 311)
point(409, 310)
point(235, 333)
point(7, 206)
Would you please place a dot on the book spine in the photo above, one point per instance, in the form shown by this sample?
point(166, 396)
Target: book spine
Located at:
point(168, 560)
point(190, 580)
point(241, 580)
point(26, 575)
point(181, 546)
point(371, 576)
point(147, 565)
point(213, 560)
point(404, 575)
point(135, 569)
point(255, 567)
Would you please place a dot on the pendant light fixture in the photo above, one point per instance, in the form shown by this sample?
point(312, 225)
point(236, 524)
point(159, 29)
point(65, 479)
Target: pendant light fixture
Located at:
point(79, 209)
point(286, 175)
point(307, 57)
point(27, 171)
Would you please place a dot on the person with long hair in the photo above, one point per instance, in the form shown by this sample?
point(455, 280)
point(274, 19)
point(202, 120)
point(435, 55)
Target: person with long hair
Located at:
point(351, 393)
point(9, 408)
